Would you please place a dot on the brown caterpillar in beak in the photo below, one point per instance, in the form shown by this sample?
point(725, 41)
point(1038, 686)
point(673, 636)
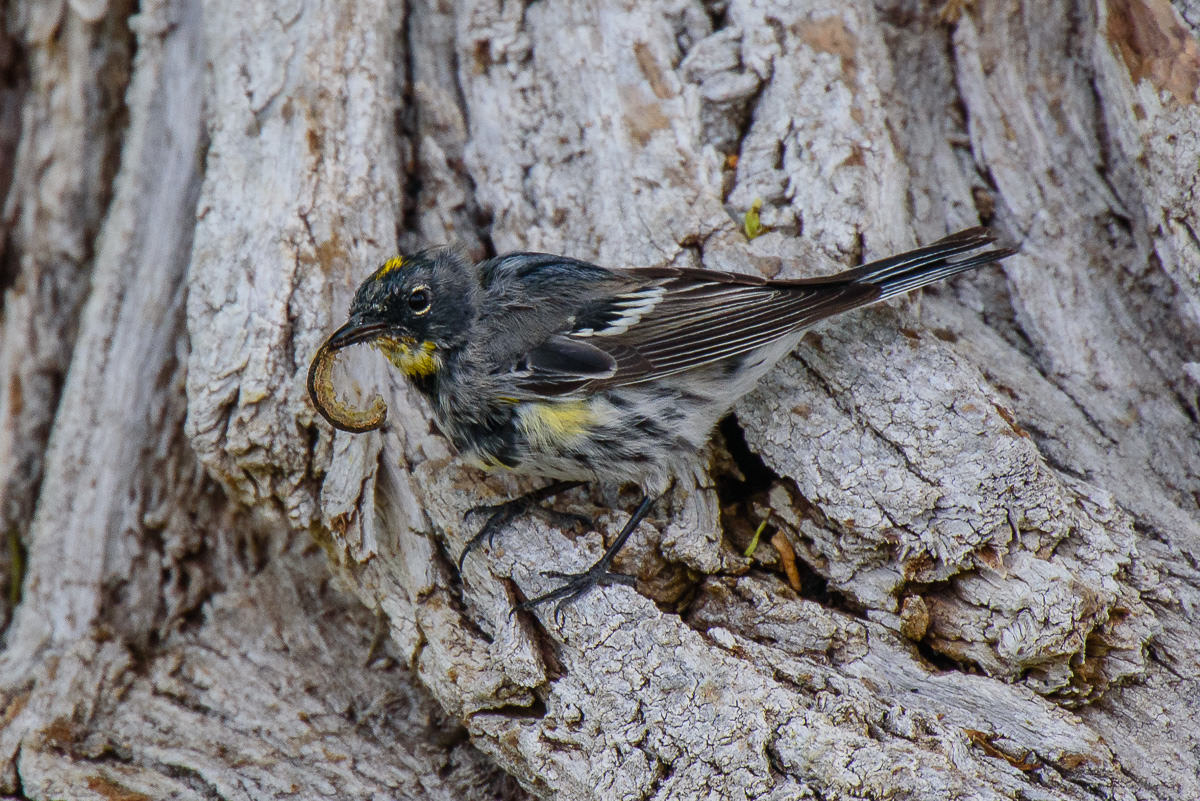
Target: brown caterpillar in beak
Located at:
point(325, 399)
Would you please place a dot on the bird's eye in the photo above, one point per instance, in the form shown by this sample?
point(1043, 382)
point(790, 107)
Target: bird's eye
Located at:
point(419, 300)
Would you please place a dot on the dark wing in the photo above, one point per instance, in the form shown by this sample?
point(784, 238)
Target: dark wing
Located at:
point(561, 365)
point(666, 321)
point(641, 325)
point(535, 298)
point(685, 319)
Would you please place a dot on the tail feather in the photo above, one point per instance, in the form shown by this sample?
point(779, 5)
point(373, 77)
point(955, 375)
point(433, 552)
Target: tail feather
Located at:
point(905, 272)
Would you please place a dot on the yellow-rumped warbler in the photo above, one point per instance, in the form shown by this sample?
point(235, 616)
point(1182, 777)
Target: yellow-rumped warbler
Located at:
point(556, 367)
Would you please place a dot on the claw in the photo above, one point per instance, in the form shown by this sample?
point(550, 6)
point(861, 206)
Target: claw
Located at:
point(501, 514)
point(575, 586)
point(483, 508)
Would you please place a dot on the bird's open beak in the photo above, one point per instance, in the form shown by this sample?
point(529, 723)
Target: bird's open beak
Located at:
point(320, 380)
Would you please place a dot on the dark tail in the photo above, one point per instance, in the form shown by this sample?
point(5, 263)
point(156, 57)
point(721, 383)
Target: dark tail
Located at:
point(905, 272)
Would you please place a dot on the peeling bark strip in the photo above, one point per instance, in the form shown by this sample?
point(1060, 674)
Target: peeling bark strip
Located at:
point(62, 117)
point(986, 497)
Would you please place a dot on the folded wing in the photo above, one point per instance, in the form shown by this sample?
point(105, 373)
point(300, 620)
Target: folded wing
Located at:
point(658, 322)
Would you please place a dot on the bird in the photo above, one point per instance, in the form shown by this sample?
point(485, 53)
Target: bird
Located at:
point(573, 372)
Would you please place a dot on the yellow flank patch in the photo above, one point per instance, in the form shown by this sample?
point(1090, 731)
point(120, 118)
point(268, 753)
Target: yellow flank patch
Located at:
point(389, 266)
point(413, 359)
point(486, 461)
point(551, 424)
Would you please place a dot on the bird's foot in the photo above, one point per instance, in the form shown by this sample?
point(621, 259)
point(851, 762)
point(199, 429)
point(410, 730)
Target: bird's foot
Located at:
point(501, 515)
point(575, 586)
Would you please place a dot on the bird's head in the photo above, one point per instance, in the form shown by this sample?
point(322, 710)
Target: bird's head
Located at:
point(415, 309)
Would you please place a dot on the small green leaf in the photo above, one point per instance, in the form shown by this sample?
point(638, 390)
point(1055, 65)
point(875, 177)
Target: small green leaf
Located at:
point(753, 546)
point(752, 224)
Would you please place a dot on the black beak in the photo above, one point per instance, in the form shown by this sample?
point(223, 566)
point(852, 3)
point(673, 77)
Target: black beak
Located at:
point(353, 332)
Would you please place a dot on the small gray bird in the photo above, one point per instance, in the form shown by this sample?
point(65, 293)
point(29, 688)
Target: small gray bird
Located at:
point(560, 368)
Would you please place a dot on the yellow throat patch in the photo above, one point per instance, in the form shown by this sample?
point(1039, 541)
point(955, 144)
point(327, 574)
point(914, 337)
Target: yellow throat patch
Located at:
point(413, 359)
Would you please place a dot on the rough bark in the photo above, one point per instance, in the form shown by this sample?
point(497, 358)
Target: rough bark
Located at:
point(980, 574)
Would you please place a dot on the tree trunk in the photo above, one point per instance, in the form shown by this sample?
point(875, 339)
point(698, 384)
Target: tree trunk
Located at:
point(979, 574)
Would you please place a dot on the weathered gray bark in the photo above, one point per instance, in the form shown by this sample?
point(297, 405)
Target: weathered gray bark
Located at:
point(992, 491)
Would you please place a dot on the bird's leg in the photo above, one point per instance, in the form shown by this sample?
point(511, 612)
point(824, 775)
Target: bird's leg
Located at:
point(501, 514)
point(578, 584)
